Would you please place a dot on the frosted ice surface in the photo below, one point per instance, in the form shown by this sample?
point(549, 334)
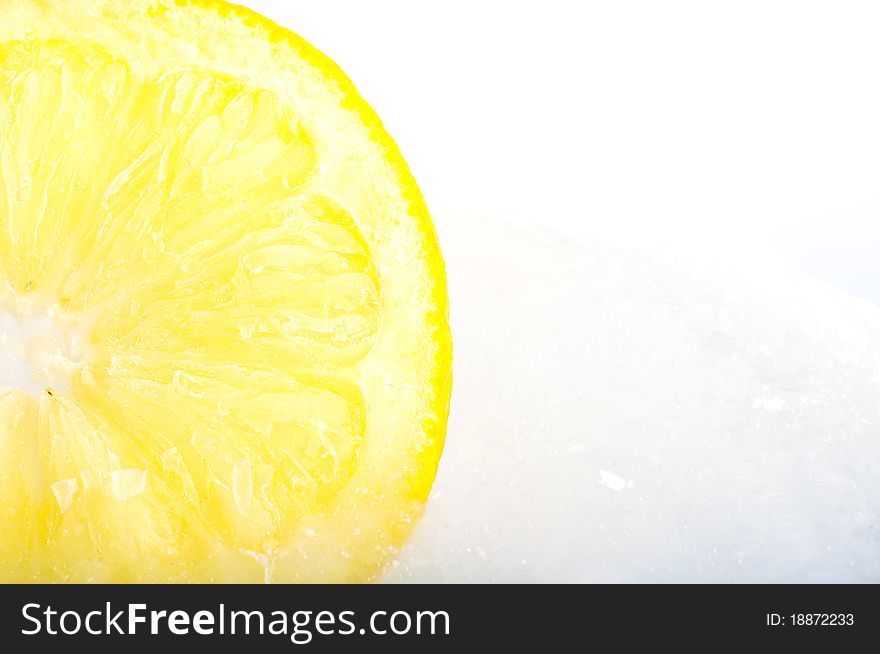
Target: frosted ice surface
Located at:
point(771, 404)
point(743, 402)
point(614, 481)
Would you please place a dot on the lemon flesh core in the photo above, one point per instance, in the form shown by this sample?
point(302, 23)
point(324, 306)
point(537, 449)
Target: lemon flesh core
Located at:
point(224, 354)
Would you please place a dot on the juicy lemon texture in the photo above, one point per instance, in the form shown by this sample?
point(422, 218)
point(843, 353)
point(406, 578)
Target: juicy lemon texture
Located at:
point(244, 359)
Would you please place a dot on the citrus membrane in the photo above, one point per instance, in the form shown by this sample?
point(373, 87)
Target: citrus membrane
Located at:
point(224, 351)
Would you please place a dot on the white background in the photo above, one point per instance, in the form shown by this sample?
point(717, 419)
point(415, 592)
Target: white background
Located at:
point(683, 123)
point(657, 218)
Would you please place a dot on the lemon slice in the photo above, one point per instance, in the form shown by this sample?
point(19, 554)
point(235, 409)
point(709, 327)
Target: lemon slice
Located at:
point(224, 351)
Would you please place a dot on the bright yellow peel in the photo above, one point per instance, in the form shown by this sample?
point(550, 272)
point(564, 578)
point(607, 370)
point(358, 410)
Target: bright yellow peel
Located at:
point(226, 350)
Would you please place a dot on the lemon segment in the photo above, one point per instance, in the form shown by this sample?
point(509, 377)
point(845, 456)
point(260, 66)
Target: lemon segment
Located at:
point(223, 325)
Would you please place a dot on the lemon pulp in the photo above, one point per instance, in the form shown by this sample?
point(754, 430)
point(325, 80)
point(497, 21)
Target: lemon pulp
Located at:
point(222, 307)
